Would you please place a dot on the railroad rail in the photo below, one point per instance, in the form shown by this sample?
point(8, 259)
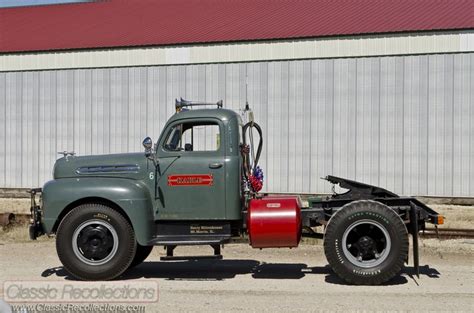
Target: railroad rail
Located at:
point(447, 233)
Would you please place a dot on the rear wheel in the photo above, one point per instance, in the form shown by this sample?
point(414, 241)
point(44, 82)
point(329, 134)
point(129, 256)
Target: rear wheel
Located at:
point(95, 242)
point(366, 243)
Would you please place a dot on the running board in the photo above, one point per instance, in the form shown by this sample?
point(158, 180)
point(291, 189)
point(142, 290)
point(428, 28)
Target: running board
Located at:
point(189, 240)
point(191, 258)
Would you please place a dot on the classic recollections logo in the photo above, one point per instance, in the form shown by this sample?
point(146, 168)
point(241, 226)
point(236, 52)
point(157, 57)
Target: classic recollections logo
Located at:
point(77, 292)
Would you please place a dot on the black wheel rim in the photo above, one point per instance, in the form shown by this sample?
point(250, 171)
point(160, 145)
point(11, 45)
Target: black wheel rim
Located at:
point(366, 243)
point(95, 242)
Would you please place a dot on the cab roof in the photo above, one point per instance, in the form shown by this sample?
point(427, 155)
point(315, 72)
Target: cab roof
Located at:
point(220, 114)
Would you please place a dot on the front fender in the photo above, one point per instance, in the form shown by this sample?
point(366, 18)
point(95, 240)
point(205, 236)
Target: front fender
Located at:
point(131, 196)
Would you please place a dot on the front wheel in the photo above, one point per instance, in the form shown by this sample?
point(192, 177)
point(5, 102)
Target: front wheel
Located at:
point(366, 243)
point(141, 254)
point(95, 242)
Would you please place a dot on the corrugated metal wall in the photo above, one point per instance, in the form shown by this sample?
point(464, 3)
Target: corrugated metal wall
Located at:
point(405, 123)
point(459, 41)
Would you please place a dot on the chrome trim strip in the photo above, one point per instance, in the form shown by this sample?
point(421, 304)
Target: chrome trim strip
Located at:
point(109, 169)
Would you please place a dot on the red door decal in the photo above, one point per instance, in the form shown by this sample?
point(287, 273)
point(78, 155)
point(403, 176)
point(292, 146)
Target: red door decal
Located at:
point(191, 180)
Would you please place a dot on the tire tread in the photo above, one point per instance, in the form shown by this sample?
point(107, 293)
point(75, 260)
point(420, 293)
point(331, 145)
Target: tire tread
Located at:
point(333, 229)
point(63, 252)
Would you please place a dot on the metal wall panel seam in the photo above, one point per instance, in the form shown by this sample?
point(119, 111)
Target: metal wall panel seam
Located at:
point(471, 122)
point(21, 126)
point(427, 124)
point(310, 170)
point(3, 171)
point(356, 104)
point(452, 131)
point(403, 128)
point(379, 120)
point(287, 126)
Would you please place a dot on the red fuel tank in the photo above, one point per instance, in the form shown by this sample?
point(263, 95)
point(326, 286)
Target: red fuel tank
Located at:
point(274, 222)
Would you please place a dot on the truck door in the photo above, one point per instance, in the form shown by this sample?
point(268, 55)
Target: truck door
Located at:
point(191, 174)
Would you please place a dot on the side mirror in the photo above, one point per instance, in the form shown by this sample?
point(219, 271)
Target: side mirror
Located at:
point(147, 144)
point(149, 153)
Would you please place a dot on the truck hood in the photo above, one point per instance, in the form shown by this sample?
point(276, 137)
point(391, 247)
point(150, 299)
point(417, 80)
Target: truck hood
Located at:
point(129, 165)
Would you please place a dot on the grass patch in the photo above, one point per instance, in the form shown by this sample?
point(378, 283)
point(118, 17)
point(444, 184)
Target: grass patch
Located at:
point(17, 233)
point(456, 216)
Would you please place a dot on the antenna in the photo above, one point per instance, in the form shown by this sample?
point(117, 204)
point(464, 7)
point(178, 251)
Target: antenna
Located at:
point(247, 107)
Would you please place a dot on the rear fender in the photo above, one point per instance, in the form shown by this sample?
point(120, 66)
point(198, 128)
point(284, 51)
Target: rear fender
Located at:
point(131, 197)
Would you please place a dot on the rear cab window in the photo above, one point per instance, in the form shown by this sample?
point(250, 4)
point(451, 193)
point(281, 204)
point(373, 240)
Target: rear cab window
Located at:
point(197, 136)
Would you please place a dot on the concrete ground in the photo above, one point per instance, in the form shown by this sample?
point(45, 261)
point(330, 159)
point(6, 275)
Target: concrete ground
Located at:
point(272, 280)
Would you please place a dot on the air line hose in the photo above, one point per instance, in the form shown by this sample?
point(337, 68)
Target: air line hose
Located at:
point(252, 172)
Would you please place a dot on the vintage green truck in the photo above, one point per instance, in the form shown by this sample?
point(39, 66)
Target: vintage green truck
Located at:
point(199, 185)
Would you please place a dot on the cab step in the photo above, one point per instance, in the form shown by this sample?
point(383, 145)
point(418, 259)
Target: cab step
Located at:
point(170, 254)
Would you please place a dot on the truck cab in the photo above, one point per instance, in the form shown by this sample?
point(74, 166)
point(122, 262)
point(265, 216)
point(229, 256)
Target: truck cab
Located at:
point(197, 173)
point(190, 175)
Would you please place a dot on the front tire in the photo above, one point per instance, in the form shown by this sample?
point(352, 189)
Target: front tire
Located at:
point(366, 243)
point(141, 254)
point(95, 242)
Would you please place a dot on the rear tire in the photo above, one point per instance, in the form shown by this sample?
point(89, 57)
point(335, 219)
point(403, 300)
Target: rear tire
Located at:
point(95, 242)
point(142, 253)
point(366, 243)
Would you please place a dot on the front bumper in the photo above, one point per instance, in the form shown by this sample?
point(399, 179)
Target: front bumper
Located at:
point(36, 227)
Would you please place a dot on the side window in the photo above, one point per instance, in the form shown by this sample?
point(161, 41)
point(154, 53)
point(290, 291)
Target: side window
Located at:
point(198, 136)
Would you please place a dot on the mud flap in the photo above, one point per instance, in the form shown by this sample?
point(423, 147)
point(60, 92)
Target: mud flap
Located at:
point(414, 233)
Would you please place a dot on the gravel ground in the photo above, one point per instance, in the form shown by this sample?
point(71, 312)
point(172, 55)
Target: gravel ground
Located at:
point(271, 280)
point(280, 280)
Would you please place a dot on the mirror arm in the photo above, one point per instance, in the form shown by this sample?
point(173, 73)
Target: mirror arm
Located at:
point(151, 155)
point(155, 158)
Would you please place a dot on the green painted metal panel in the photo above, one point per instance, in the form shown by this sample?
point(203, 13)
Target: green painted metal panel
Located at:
point(132, 196)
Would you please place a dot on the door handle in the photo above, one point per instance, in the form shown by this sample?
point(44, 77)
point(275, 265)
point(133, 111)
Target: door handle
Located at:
point(215, 165)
